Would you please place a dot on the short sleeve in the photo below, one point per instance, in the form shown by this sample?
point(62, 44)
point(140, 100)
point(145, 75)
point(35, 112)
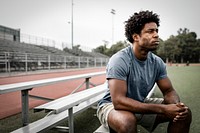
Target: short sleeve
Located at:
point(117, 67)
point(162, 73)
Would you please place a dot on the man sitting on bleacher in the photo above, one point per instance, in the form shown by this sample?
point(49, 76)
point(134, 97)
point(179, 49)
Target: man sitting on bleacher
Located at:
point(131, 74)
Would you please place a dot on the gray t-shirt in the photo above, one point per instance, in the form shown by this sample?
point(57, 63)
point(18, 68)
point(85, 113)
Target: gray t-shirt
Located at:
point(139, 75)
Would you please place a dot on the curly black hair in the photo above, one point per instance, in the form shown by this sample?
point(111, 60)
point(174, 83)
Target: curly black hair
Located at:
point(137, 21)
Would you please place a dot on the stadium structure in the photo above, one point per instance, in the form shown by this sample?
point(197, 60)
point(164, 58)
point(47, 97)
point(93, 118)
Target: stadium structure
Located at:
point(18, 55)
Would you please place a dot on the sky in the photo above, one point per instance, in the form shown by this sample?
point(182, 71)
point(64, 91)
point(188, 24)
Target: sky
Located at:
point(93, 22)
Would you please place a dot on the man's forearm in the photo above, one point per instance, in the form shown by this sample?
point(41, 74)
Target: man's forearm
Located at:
point(136, 106)
point(171, 97)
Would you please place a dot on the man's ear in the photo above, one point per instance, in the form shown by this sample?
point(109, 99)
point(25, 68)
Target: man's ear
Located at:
point(135, 37)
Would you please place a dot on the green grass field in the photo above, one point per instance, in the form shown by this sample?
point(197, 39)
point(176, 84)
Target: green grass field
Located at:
point(186, 80)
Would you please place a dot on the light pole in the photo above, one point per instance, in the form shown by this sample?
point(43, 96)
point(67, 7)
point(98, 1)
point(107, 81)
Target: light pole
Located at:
point(72, 26)
point(113, 13)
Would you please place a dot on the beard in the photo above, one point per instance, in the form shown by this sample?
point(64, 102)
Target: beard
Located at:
point(153, 48)
point(149, 46)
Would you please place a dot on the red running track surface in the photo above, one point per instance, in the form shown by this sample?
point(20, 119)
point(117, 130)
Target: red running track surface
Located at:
point(10, 103)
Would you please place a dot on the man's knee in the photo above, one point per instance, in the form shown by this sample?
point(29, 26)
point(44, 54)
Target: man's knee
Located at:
point(181, 126)
point(189, 117)
point(129, 125)
point(187, 121)
point(125, 123)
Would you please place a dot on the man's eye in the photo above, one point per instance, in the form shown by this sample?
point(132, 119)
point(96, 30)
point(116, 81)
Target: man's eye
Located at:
point(150, 31)
point(156, 30)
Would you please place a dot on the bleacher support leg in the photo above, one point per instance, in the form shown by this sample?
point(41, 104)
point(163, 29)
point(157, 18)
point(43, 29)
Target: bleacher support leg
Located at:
point(25, 107)
point(87, 82)
point(71, 121)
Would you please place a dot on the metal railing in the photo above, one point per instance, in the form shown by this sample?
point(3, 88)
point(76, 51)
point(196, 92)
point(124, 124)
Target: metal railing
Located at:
point(24, 62)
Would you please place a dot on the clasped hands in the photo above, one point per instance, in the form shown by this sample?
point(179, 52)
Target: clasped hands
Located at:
point(176, 112)
point(183, 112)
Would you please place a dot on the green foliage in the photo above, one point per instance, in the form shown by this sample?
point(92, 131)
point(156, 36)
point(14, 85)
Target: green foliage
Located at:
point(182, 48)
point(112, 50)
point(101, 49)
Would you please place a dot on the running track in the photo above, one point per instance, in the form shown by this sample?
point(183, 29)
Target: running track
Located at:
point(10, 103)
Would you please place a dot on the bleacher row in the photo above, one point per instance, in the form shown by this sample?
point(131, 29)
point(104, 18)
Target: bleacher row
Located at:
point(16, 56)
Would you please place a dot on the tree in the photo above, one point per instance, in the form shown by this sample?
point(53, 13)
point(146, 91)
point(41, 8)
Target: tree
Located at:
point(172, 51)
point(161, 50)
point(182, 48)
point(112, 50)
point(187, 43)
point(101, 49)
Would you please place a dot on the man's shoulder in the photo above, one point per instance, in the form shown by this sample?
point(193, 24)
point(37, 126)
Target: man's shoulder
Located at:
point(120, 61)
point(122, 54)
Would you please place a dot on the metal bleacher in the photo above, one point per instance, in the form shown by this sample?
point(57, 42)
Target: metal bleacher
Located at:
point(17, 56)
